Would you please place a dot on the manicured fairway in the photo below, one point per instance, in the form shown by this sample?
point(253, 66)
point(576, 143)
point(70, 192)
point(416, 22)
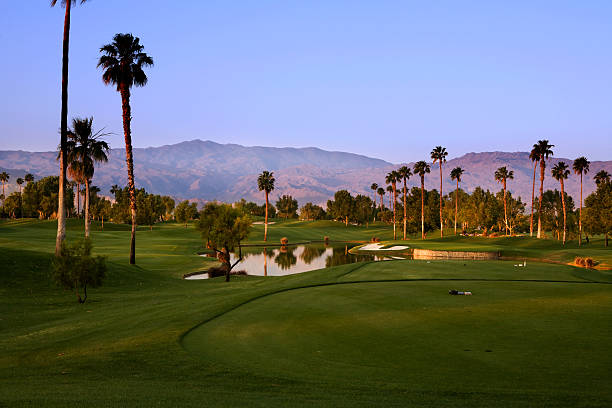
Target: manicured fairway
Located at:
point(370, 334)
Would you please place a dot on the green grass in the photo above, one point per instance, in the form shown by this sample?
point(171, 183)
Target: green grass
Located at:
point(370, 334)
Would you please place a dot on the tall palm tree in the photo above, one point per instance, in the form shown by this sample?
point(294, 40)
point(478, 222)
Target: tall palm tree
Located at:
point(265, 182)
point(404, 174)
point(123, 61)
point(4, 178)
point(84, 148)
point(374, 187)
point(456, 174)
point(438, 154)
point(534, 155)
point(421, 168)
point(392, 178)
point(501, 175)
point(29, 178)
point(544, 151)
point(61, 207)
point(20, 182)
point(560, 172)
point(381, 193)
point(390, 191)
point(581, 166)
point(602, 176)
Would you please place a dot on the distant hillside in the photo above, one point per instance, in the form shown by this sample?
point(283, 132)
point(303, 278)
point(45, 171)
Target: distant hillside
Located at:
point(206, 170)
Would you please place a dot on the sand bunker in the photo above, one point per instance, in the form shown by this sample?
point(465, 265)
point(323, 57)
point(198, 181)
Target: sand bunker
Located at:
point(379, 247)
point(262, 223)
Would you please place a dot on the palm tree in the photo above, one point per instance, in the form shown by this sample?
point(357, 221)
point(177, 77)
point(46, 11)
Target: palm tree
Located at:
point(421, 168)
point(4, 178)
point(265, 182)
point(544, 151)
point(374, 187)
point(392, 178)
point(438, 154)
point(84, 148)
point(581, 166)
point(404, 174)
point(534, 155)
point(29, 178)
point(123, 61)
point(602, 176)
point(390, 191)
point(61, 207)
point(20, 181)
point(456, 174)
point(501, 175)
point(381, 193)
point(560, 172)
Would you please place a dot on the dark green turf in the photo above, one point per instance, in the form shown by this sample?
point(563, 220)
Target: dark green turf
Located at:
point(325, 338)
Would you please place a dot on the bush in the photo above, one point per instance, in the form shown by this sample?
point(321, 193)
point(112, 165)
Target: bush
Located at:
point(284, 241)
point(584, 262)
point(75, 268)
point(375, 239)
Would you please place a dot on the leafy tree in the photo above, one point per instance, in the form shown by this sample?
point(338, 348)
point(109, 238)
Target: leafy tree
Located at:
point(40, 198)
point(598, 209)
point(534, 155)
point(223, 228)
point(265, 182)
point(76, 269)
point(543, 149)
point(602, 176)
point(456, 174)
point(84, 148)
point(363, 209)
point(123, 61)
point(581, 167)
point(501, 176)
point(29, 178)
point(342, 206)
point(11, 204)
point(61, 213)
point(312, 212)
point(185, 212)
point(287, 207)
point(404, 174)
point(438, 154)
point(100, 207)
point(552, 211)
point(421, 168)
point(560, 172)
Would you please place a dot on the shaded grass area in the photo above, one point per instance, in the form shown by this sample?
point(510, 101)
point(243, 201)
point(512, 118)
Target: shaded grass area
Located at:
point(394, 342)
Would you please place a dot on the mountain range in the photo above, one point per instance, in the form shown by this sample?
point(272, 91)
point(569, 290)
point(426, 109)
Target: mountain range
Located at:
point(205, 170)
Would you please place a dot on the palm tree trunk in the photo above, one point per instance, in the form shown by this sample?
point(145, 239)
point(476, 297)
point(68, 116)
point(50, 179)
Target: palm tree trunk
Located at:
point(564, 215)
point(456, 205)
point(422, 208)
point(405, 208)
point(580, 215)
point(542, 168)
point(86, 208)
point(535, 165)
point(441, 221)
point(78, 196)
point(505, 209)
point(266, 223)
point(61, 205)
point(394, 219)
point(127, 132)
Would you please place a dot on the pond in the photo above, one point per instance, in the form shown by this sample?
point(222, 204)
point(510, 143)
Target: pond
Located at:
point(279, 261)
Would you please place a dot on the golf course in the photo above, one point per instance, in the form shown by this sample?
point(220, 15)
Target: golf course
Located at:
point(361, 334)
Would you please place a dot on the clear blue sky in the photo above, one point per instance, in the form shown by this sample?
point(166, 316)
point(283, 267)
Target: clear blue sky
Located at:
point(389, 79)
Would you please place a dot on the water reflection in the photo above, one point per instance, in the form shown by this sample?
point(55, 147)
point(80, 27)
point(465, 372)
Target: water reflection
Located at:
point(278, 261)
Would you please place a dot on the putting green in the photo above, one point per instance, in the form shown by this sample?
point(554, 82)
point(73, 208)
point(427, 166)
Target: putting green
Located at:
point(520, 337)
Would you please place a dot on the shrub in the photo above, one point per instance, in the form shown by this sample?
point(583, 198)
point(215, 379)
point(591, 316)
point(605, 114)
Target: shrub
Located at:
point(375, 239)
point(75, 268)
point(579, 261)
point(284, 241)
